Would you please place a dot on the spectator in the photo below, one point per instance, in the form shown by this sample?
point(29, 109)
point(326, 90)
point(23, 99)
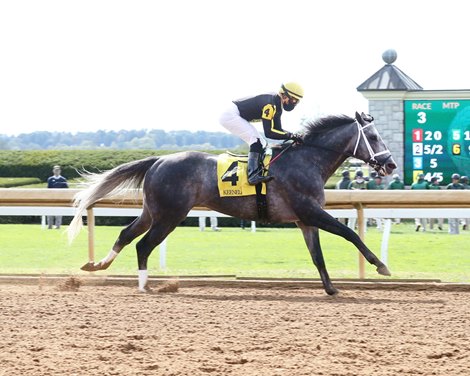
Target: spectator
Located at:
point(202, 223)
point(420, 183)
point(464, 182)
point(344, 184)
point(358, 183)
point(440, 221)
point(56, 181)
point(454, 222)
point(371, 183)
point(345, 180)
point(377, 185)
point(465, 221)
point(396, 183)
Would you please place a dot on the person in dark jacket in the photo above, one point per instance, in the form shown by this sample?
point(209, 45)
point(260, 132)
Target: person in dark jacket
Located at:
point(345, 180)
point(266, 108)
point(465, 221)
point(56, 181)
point(454, 222)
point(420, 183)
point(344, 184)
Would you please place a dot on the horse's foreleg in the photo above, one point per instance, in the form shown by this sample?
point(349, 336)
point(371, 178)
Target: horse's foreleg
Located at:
point(312, 239)
point(135, 229)
point(317, 217)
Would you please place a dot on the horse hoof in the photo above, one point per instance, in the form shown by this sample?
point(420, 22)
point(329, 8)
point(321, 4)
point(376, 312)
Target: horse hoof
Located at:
point(383, 270)
point(146, 290)
point(90, 267)
point(332, 291)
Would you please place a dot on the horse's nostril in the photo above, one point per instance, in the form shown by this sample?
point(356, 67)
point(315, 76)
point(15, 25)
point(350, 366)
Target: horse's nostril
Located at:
point(391, 166)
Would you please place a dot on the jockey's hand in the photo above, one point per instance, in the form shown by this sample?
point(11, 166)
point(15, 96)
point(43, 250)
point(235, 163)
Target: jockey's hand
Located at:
point(297, 138)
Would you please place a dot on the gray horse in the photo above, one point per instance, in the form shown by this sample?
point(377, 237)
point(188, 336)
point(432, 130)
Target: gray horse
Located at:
point(174, 184)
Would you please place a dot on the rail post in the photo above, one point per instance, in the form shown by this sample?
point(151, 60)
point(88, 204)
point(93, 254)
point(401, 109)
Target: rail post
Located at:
point(91, 234)
point(361, 223)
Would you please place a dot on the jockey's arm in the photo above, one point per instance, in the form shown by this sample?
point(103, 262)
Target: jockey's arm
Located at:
point(272, 124)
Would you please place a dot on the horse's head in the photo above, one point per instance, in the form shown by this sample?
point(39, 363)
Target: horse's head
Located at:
point(370, 147)
point(351, 138)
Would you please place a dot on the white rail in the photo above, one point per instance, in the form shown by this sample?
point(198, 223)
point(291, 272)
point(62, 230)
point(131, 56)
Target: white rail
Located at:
point(339, 203)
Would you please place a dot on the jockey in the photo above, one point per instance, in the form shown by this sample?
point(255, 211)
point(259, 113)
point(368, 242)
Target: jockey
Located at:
point(266, 108)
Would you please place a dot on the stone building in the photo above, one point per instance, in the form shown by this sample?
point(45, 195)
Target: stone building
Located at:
point(386, 90)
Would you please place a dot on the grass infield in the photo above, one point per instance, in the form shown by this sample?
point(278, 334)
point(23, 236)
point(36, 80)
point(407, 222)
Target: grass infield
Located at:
point(273, 253)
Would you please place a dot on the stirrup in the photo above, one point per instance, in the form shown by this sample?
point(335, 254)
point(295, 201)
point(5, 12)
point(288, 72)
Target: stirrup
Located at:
point(256, 179)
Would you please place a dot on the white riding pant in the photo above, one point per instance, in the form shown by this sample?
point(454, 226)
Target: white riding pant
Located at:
point(235, 124)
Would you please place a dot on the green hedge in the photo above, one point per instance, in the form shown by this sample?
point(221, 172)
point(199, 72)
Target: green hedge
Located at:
point(17, 182)
point(39, 163)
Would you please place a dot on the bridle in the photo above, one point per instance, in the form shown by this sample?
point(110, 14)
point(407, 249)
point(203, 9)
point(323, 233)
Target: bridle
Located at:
point(361, 134)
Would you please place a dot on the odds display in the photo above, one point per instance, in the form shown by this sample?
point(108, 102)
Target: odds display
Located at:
point(437, 139)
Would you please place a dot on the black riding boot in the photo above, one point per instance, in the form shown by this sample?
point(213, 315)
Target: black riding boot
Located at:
point(254, 169)
point(254, 166)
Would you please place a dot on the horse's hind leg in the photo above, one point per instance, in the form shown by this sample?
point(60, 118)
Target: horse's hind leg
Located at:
point(312, 239)
point(157, 233)
point(127, 235)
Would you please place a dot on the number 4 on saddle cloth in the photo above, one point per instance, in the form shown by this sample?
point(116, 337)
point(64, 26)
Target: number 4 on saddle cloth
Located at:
point(232, 176)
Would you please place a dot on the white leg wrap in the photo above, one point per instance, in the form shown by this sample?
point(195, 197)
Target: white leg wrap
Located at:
point(143, 277)
point(110, 257)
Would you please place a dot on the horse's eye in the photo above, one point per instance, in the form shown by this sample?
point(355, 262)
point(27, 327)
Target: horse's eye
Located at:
point(374, 137)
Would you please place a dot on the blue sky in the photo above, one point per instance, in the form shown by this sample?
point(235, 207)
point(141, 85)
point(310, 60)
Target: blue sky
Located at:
point(89, 65)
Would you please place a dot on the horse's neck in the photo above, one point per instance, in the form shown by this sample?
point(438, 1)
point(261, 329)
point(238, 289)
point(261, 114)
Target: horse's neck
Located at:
point(327, 161)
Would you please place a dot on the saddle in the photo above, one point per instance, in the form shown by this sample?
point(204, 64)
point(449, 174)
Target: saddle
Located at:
point(232, 179)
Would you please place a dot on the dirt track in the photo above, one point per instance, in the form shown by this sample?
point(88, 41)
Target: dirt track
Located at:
point(113, 330)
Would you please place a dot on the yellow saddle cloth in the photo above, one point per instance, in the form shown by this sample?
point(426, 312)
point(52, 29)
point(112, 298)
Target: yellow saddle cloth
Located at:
point(232, 176)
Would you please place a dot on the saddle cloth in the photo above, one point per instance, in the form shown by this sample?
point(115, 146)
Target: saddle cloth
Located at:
point(232, 177)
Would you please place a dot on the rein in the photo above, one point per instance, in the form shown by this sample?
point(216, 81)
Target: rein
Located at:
point(279, 155)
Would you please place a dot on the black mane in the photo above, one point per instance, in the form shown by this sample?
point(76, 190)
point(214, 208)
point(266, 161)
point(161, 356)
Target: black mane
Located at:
point(314, 127)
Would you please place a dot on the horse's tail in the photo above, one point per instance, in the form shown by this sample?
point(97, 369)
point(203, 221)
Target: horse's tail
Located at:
point(120, 178)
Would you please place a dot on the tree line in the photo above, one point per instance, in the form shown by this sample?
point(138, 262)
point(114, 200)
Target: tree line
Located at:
point(154, 139)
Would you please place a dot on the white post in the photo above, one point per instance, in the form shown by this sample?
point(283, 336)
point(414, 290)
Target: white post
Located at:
point(385, 238)
point(162, 250)
point(253, 226)
point(43, 222)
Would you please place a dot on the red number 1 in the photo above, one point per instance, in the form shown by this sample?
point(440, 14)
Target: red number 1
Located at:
point(417, 135)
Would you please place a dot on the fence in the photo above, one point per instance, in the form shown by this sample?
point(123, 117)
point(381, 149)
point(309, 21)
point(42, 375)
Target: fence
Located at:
point(339, 203)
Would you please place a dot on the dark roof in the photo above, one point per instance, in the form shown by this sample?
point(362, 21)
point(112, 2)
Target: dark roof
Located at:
point(389, 77)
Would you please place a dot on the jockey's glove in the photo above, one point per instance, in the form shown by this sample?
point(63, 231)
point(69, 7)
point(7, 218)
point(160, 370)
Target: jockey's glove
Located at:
point(297, 138)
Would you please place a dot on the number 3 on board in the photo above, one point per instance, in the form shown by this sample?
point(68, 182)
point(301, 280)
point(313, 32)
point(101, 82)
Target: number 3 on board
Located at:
point(421, 117)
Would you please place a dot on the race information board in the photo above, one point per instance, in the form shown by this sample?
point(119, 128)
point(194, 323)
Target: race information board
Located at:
point(437, 139)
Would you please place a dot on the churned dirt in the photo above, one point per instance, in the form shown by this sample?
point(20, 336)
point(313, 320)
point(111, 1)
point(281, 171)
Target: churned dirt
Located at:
point(74, 329)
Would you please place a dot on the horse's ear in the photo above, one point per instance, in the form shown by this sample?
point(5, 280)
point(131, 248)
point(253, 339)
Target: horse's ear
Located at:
point(359, 118)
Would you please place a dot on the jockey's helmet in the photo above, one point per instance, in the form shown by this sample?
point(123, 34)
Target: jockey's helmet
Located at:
point(292, 90)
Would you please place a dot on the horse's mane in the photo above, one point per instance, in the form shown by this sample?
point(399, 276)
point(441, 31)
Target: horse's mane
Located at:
point(314, 127)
